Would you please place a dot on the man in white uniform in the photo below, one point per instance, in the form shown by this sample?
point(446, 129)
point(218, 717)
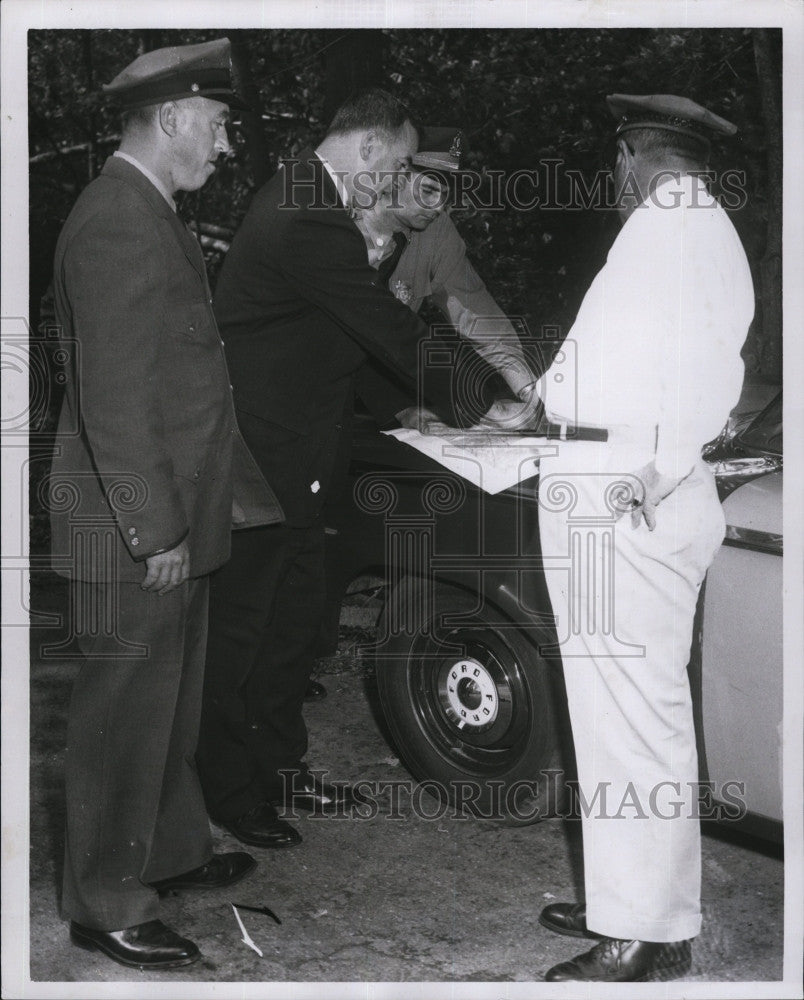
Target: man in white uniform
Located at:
point(657, 345)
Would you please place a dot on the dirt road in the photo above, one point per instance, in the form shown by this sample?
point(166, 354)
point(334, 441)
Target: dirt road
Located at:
point(397, 894)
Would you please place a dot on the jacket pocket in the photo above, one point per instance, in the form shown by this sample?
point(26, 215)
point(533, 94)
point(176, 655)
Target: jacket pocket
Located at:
point(197, 324)
point(189, 473)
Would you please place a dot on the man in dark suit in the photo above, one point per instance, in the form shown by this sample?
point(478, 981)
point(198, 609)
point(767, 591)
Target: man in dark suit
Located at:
point(300, 310)
point(147, 448)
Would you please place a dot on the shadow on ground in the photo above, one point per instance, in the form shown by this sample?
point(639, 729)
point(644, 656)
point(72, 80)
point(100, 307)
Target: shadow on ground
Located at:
point(402, 894)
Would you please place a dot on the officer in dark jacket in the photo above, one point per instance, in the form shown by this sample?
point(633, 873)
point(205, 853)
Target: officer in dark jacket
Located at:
point(142, 501)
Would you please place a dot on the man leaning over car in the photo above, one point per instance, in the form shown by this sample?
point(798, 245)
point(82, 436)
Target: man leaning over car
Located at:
point(300, 312)
point(419, 254)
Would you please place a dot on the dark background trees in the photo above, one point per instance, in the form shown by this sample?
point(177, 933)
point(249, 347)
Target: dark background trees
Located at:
point(521, 96)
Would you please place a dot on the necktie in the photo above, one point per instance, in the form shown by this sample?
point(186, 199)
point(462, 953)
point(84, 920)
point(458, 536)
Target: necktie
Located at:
point(388, 266)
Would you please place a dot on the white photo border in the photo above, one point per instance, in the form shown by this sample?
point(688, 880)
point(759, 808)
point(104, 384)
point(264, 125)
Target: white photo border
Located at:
point(18, 16)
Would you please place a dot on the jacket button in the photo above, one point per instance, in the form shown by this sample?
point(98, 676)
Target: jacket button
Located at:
point(135, 541)
point(192, 328)
point(132, 531)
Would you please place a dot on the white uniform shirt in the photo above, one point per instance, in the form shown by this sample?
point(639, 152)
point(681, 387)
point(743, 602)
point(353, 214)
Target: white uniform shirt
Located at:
point(656, 342)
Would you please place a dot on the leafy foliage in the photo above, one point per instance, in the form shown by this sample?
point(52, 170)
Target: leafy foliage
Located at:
point(521, 97)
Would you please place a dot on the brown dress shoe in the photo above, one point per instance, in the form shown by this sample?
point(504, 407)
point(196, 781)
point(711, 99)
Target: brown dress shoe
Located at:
point(220, 870)
point(618, 961)
point(566, 918)
point(151, 945)
point(262, 827)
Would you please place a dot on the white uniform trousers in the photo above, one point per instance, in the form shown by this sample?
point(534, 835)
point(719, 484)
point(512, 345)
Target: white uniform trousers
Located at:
point(625, 601)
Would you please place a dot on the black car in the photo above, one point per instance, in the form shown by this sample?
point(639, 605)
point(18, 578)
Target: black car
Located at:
point(470, 685)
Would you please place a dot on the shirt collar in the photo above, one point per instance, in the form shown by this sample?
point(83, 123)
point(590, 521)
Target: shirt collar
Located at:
point(684, 189)
point(160, 187)
point(337, 180)
point(375, 235)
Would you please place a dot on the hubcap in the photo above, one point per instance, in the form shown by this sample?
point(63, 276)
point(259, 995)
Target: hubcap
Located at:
point(472, 703)
point(468, 695)
point(476, 693)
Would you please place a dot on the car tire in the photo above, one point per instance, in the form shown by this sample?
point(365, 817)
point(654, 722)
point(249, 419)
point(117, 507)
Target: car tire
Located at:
point(475, 724)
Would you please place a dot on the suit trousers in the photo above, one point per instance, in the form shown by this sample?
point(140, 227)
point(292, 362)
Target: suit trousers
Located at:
point(625, 599)
point(135, 812)
point(266, 606)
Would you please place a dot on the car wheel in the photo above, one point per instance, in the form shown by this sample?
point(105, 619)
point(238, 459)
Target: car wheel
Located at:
point(475, 721)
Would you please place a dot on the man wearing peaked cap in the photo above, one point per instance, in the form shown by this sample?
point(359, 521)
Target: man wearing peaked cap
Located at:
point(440, 148)
point(419, 254)
point(657, 340)
point(667, 113)
point(149, 449)
point(203, 70)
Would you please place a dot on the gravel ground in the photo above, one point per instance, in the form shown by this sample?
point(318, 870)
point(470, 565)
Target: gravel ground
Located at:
point(395, 898)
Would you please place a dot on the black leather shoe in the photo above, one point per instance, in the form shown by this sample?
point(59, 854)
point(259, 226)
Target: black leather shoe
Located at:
point(617, 961)
point(145, 946)
point(566, 918)
point(220, 870)
point(314, 691)
point(262, 827)
point(306, 792)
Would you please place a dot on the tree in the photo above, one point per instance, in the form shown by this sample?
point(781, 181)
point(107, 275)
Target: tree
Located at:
point(767, 53)
point(520, 96)
point(353, 61)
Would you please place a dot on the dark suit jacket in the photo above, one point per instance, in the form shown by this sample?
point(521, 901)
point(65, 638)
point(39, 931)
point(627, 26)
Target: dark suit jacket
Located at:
point(147, 429)
point(300, 310)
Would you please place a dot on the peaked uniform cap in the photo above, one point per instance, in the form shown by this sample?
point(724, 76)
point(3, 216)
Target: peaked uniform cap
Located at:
point(440, 148)
point(203, 70)
point(668, 113)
